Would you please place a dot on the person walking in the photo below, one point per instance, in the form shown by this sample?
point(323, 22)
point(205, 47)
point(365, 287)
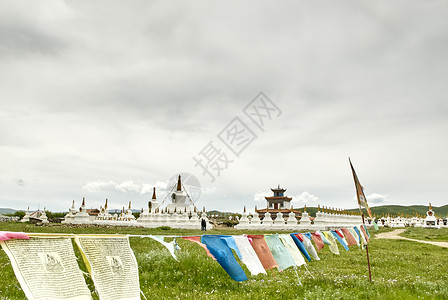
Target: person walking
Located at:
point(203, 225)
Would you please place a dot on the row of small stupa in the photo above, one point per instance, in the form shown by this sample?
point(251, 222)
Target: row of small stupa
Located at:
point(177, 214)
point(325, 220)
point(430, 221)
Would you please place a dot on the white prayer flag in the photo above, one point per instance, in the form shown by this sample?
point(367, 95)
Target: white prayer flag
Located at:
point(46, 268)
point(112, 265)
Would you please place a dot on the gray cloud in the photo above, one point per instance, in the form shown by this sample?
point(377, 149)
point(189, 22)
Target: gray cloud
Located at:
point(111, 92)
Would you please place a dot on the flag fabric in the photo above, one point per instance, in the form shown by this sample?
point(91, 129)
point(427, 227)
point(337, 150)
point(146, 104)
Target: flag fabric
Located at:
point(46, 268)
point(362, 200)
point(365, 229)
point(263, 252)
point(334, 246)
point(317, 241)
point(362, 240)
point(279, 251)
point(324, 238)
point(111, 264)
point(349, 237)
point(292, 249)
point(224, 256)
point(375, 225)
point(170, 246)
point(229, 239)
point(197, 240)
point(298, 239)
point(309, 246)
point(364, 232)
point(355, 235)
point(5, 235)
point(248, 255)
point(339, 239)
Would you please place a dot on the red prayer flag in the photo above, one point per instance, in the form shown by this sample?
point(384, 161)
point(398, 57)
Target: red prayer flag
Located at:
point(263, 252)
point(318, 241)
point(349, 237)
point(197, 240)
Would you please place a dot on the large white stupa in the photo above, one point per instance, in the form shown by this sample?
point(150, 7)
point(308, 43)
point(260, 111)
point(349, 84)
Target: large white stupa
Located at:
point(179, 201)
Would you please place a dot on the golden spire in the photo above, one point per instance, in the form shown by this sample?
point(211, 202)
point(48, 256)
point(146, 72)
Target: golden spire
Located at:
point(244, 208)
point(430, 206)
point(154, 193)
point(129, 204)
point(304, 208)
point(179, 184)
point(105, 206)
point(83, 201)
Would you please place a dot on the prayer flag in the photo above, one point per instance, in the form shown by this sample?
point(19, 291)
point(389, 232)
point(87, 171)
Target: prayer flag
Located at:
point(298, 239)
point(334, 246)
point(365, 232)
point(362, 200)
point(6, 235)
point(292, 249)
point(197, 240)
point(248, 255)
point(280, 253)
point(169, 246)
point(317, 241)
point(263, 252)
point(349, 237)
point(309, 246)
point(339, 239)
point(324, 239)
point(46, 268)
point(224, 256)
point(229, 239)
point(112, 265)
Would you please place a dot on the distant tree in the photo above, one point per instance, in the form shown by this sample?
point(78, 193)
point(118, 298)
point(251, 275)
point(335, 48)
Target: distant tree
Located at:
point(136, 215)
point(55, 215)
point(19, 214)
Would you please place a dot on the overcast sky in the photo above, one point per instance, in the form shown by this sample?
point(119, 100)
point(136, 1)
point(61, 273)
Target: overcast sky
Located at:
point(106, 99)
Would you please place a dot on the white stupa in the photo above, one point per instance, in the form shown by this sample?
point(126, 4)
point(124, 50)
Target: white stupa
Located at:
point(430, 220)
point(70, 216)
point(82, 217)
point(26, 218)
point(305, 220)
point(44, 217)
point(179, 201)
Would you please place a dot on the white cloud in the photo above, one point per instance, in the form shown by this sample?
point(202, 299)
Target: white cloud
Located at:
point(98, 185)
point(259, 196)
point(376, 198)
point(305, 197)
point(128, 186)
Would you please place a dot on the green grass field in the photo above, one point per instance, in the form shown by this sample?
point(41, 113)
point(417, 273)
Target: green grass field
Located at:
point(400, 269)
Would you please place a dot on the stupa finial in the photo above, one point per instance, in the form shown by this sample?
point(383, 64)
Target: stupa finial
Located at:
point(179, 184)
point(154, 193)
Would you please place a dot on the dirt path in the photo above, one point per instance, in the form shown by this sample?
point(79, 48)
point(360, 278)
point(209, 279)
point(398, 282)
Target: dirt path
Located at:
point(396, 235)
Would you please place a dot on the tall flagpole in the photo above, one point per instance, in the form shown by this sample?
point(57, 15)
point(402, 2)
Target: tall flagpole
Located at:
point(367, 251)
point(358, 186)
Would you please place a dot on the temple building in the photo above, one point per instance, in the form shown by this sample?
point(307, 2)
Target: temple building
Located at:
point(278, 202)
